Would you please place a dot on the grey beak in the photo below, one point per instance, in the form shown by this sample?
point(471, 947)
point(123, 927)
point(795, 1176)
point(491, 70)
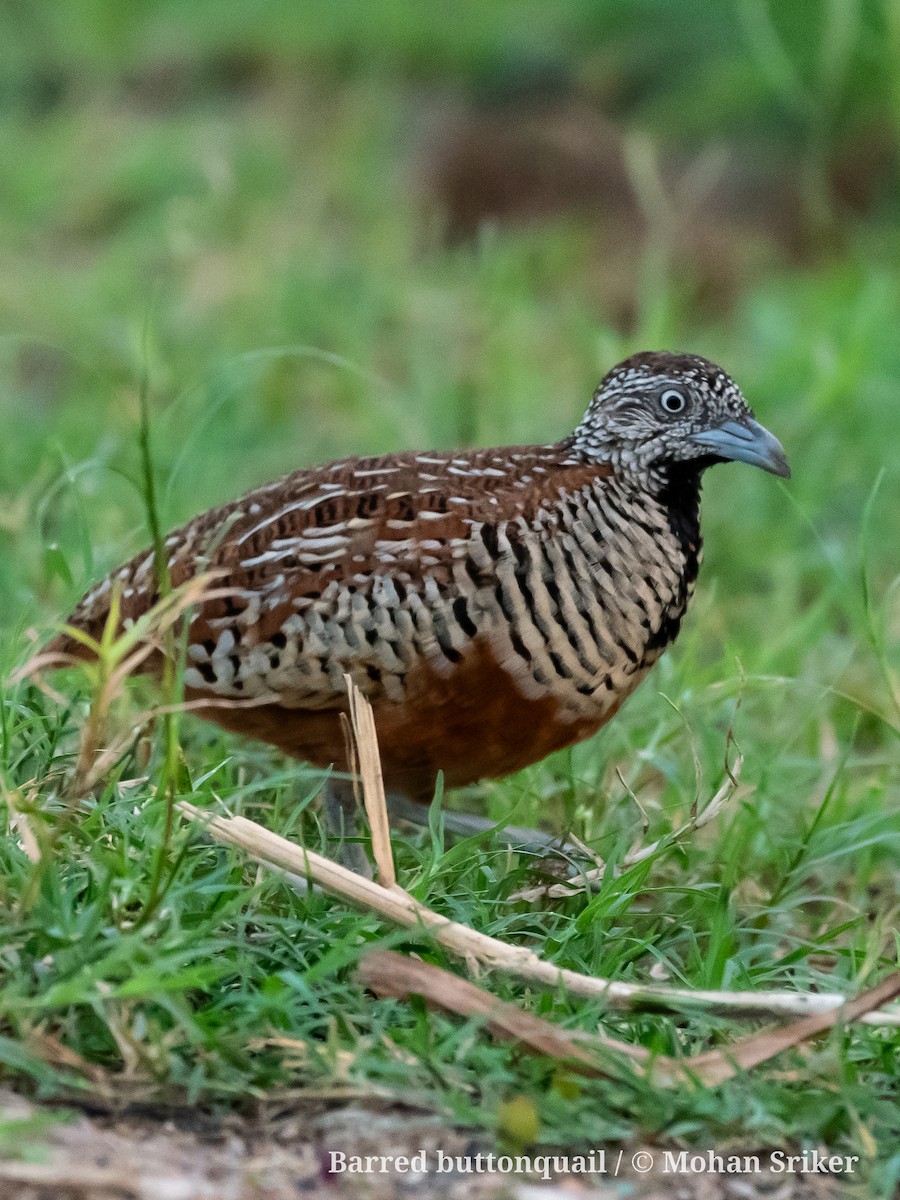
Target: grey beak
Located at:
point(745, 441)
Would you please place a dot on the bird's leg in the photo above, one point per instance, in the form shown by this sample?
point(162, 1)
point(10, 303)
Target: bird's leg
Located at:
point(517, 837)
point(342, 822)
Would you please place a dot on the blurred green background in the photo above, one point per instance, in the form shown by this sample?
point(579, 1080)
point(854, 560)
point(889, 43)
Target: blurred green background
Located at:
point(320, 230)
point(326, 229)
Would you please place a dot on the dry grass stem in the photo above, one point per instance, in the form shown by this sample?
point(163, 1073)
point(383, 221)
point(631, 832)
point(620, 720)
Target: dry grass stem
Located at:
point(110, 659)
point(585, 879)
point(390, 974)
point(88, 1182)
point(480, 950)
point(21, 822)
point(718, 1065)
point(372, 783)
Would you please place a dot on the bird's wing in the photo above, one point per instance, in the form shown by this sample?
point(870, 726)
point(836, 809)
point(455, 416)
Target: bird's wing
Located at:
point(306, 555)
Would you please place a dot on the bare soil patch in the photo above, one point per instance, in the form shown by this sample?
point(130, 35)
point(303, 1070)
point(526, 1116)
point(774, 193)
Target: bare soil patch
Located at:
point(287, 1155)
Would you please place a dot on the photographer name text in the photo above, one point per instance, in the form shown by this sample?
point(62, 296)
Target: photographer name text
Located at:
point(593, 1162)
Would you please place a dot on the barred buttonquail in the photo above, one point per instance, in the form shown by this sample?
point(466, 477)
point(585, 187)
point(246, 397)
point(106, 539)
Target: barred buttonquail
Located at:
point(493, 605)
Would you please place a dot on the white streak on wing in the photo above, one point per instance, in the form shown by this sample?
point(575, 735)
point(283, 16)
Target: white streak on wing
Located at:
point(314, 556)
point(324, 546)
point(269, 556)
point(269, 487)
point(388, 546)
point(225, 673)
point(274, 595)
point(224, 645)
point(100, 590)
point(318, 531)
point(256, 664)
point(298, 506)
point(433, 596)
point(384, 592)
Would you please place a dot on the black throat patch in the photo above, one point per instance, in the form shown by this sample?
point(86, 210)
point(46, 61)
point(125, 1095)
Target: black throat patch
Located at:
point(680, 497)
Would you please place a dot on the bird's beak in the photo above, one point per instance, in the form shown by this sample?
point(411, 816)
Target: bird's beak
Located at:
point(745, 441)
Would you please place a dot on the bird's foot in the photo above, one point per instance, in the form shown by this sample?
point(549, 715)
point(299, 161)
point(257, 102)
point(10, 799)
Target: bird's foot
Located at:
point(567, 852)
point(341, 820)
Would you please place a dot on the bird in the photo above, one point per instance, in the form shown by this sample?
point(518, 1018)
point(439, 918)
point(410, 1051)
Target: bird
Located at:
point(493, 605)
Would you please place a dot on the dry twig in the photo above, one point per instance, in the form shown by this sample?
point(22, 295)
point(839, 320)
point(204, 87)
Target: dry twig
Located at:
point(392, 974)
point(480, 950)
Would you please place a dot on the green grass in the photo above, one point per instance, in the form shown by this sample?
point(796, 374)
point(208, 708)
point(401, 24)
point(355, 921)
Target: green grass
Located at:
point(299, 308)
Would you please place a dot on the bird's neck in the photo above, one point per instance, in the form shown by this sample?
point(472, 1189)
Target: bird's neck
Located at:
point(676, 488)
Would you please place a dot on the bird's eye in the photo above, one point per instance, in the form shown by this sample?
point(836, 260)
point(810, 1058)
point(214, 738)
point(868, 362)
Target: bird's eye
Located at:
point(672, 401)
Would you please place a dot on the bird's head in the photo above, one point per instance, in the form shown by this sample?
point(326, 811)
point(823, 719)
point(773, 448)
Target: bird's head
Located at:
point(657, 409)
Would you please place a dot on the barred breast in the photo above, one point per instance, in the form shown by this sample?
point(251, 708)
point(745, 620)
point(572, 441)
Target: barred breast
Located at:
point(492, 607)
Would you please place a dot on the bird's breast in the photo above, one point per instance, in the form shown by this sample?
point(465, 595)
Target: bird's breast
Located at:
point(583, 605)
point(571, 607)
